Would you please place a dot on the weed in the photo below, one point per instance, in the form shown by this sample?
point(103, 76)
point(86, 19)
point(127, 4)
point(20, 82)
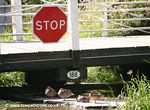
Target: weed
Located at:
point(137, 94)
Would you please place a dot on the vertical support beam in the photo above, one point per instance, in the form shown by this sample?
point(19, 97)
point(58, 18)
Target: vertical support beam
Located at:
point(73, 23)
point(105, 24)
point(17, 20)
point(73, 29)
point(0, 48)
point(2, 18)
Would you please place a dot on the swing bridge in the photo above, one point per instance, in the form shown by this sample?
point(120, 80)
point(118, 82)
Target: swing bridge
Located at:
point(87, 43)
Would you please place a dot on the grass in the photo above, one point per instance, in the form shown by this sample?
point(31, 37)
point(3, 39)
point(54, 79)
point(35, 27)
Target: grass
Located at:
point(137, 94)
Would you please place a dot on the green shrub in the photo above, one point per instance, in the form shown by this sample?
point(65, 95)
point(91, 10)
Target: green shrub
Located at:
point(103, 74)
point(12, 79)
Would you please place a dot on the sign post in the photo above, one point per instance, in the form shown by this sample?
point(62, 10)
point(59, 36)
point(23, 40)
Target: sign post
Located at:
point(49, 24)
point(74, 31)
point(73, 23)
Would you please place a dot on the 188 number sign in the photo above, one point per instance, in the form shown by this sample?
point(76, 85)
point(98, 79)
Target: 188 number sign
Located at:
point(74, 74)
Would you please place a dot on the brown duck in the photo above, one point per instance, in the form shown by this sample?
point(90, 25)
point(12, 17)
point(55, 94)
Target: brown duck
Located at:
point(84, 99)
point(64, 93)
point(95, 96)
point(50, 92)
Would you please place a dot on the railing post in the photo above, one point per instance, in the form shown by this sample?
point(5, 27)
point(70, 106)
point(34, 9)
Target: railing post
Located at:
point(105, 23)
point(73, 23)
point(2, 18)
point(73, 30)
point(17, 20)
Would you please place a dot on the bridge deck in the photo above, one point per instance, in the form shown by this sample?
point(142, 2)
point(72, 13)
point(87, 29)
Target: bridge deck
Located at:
point(26, 56)
point(85, 44)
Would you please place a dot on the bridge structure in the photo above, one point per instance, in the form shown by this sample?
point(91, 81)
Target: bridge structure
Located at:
point(21, 50)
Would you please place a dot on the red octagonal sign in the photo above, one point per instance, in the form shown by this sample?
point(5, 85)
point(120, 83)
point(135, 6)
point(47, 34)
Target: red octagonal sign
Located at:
point(49, 24)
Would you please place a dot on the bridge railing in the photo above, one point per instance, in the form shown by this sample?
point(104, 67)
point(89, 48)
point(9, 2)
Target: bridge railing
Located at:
point(107, 15)
point(94, 18)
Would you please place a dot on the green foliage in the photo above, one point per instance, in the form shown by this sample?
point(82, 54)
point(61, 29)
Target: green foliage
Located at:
point(6, 38)
point(137, 94)
point(89, 26)
point(12, 79)
point(128, 15)
point(103, 74)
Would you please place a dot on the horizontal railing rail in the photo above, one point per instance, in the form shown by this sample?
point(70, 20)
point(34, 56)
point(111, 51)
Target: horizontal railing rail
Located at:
point(102, 18)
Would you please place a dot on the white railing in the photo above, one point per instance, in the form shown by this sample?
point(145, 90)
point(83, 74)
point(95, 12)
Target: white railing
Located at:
point(96, 12)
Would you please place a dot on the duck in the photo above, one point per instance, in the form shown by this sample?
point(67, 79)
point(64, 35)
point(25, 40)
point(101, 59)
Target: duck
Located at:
point(65, 93)
point(50, 92)
point(95, 96)
point(83, 99)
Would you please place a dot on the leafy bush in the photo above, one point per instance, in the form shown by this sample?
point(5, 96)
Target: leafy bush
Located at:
point(12, 79)
point(104, 74)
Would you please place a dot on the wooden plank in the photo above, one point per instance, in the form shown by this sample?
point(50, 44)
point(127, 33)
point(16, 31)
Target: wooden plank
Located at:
point(85, 44)
point(114, 60)
point(101, 104)
point(31, 65)
point(35, 62)
point(32, 47)
point(115, 51)
point(94, 52)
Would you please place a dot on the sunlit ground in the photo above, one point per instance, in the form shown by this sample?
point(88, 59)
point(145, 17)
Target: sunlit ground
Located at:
point(39, 108)
point(10, 105)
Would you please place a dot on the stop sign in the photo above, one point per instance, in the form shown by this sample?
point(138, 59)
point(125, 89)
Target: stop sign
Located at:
point(49, 24)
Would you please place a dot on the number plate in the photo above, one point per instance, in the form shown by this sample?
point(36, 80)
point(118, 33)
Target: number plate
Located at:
point(74, 74)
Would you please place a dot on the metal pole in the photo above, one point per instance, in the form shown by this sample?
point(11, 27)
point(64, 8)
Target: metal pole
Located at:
point(17, 20)
point(2, 18)
point(105, 27)
point(73, 30)
point(0, 48)
point(73, 23)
